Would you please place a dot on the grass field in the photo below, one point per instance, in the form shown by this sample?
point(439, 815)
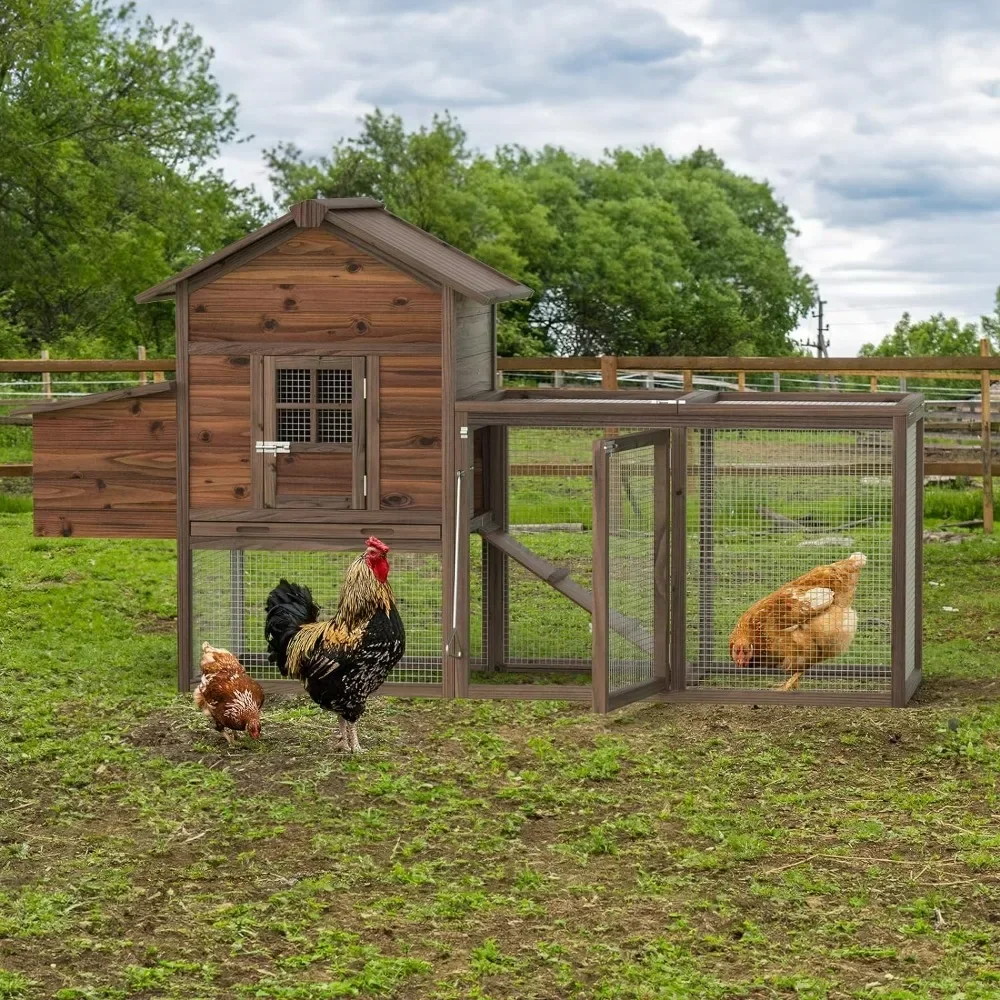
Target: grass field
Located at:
point(480, 850)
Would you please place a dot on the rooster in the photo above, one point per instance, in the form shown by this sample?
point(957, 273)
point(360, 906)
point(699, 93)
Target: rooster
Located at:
point(341, 662)
point(228, 695)
point(801, 624)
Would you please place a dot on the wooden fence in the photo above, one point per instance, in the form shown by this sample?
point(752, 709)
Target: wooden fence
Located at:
point(960, 443)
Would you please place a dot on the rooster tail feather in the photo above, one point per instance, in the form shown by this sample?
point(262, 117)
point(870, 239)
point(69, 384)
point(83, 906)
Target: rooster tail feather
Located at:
point(289, 607)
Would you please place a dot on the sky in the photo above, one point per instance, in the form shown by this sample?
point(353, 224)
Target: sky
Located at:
point(876, 121)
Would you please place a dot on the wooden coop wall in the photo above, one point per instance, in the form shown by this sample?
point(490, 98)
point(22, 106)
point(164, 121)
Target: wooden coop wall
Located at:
point(108, 469)
point(316, 294)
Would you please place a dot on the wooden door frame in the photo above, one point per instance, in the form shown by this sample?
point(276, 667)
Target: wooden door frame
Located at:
point(264, 469)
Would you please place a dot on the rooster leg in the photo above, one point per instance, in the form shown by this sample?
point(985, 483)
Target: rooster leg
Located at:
point(344, 743)
point(352, 729)
point(230, 736)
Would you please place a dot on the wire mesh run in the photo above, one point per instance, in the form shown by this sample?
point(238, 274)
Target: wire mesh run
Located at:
point(550, 506)
point(766, 507)
point(230, 588)
point(631, 558)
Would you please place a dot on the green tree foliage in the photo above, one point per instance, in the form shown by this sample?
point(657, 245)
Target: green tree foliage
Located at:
point(940, 336)
point(633, 254)
point(107, 124)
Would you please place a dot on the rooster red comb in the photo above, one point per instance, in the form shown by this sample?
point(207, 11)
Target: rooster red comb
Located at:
point(377, 545)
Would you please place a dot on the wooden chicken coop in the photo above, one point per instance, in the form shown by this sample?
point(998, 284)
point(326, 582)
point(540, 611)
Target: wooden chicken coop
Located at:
point(336, 378)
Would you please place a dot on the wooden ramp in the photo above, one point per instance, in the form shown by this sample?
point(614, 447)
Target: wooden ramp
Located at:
point(559, 579)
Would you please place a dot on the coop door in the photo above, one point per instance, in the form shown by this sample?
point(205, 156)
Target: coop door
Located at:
point(631, 559)
point(313, 452)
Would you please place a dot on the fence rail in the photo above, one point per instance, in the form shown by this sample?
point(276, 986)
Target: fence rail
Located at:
point(955, 422)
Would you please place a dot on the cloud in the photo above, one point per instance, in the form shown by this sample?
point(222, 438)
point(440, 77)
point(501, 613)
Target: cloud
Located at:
point(877, 121)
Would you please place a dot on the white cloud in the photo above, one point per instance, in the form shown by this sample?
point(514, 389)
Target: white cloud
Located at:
point(877, 121)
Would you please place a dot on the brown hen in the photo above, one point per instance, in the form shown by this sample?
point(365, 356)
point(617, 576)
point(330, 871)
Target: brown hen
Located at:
point(803, 623)
point(228, 695)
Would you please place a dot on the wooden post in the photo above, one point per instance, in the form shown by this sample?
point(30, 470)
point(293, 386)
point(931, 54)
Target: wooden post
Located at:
point(984, 350)
point(558, 378)
point(609, 382)
point(741, 381)
point(873, 383)
point(159, 377)
point(46, 379)
point(777, 381)
point(143, 377)
point(688, 380)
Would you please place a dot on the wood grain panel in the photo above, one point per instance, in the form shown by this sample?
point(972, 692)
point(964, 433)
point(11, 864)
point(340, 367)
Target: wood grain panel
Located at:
point(108, 469)
point(113, 491)
point(474, 362)
point(56, 522)
point(409, 433)
point(220, 440)
point(325, 476)
point(316, 288)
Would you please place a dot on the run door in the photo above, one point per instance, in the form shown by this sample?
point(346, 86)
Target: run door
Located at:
point(631, 567)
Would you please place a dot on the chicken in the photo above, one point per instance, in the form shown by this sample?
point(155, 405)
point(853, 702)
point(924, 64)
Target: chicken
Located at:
point(801, 624)
point(341, 662)
point(228, 695)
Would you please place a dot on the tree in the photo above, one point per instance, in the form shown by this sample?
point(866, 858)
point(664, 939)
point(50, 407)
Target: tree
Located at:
point(938, 335)
point(108, 123)
point(633, 254)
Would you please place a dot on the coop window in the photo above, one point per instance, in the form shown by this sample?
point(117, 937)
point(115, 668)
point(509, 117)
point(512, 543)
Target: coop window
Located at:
point(315, 404)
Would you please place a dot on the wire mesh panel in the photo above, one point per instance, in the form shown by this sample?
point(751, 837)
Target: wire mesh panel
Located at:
point(788, 560)
point(230, 588)
point(631, 524)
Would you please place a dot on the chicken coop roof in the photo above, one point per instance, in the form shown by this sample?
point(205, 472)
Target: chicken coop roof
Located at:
point(151, 389)
point(366, 221)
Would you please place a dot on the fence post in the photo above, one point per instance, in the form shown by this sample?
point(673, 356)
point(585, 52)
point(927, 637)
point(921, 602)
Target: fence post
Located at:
point(142, 357)
point(46, 379)
point(873, 383)
point(984, 385)
point(741, 381)
point(688, 380)
point(609, 382)
point(777, 381)
point(558, 378)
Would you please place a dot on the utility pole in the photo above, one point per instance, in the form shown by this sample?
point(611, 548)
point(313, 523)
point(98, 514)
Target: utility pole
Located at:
point(821, 344)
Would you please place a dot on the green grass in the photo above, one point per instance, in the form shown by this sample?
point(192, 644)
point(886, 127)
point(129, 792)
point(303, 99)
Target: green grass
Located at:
point(481, 850)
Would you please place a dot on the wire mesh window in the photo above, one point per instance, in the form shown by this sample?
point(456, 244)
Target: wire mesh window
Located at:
point(334, 385)
point(631, 559)
point(766, 507)
point(295, 385)
point(230, 588)
point(314, 405)
point(335, 426)
point(295, 425)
